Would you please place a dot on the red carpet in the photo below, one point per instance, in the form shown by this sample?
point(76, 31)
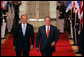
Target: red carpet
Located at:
point(63, 47)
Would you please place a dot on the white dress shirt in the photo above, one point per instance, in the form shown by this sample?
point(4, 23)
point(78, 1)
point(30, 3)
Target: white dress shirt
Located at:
point(24, 28)
point(47, 27)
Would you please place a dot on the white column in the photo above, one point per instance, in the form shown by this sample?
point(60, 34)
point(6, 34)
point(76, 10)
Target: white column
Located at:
point(53, 9)
point(23, 8)
point(37, 9)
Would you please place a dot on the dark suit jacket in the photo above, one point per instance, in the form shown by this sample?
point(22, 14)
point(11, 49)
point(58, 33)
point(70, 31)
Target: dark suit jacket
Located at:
point(19, 40)
point(44, 41)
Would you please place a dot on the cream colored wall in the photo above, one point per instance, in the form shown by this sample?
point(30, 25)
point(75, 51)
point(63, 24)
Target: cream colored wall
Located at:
point(37, 24)
point(23, 8)
point(38, 10)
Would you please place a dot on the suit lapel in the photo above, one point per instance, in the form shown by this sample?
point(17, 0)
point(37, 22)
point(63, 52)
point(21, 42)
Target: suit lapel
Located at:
point(21, 29)
point(50, 31)
point(26, 30)
point(45, 31)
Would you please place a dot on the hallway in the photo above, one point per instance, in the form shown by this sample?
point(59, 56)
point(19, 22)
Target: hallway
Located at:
point(63, 47)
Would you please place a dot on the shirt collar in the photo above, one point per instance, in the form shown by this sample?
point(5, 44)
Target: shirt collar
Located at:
point(49, 26)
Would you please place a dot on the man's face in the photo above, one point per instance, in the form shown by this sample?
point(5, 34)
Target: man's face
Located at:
point(47, 21)
point(24, 19)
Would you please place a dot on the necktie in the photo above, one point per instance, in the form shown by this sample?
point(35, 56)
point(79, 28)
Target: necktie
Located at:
point(24, 28)
point(47, 31)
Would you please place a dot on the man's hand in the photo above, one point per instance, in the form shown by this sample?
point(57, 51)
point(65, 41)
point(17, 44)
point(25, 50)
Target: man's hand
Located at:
point(14, 47)
point(37, 49)
point(53, 44)
point(31, 47)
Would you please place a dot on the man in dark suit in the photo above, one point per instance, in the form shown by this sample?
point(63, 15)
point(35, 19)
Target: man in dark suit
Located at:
point(16, 7)
point(81, 40)
point(22, 34)
point(48, 37)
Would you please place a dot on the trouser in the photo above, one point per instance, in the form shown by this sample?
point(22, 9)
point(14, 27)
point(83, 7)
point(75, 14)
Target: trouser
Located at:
point(24, 49)
point(81, 47)
point(77, 36)
point(69, 29)
point(3, 28)
point(47, 52)
point(25, 52)
point(61, 21)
